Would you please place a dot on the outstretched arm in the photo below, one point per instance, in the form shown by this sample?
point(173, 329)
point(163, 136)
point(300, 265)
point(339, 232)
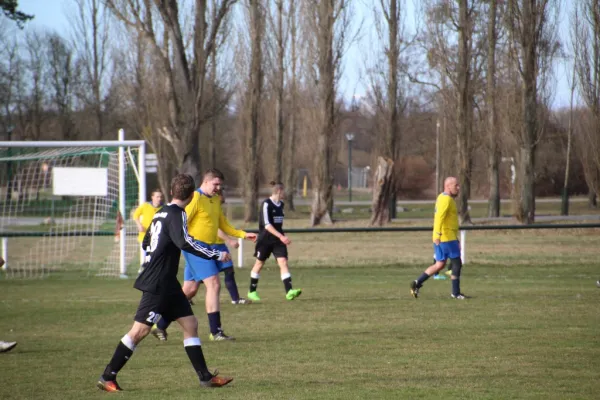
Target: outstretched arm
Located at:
point(183, 240)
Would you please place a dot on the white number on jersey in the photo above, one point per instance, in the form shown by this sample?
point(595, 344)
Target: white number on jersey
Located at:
point(155, 232)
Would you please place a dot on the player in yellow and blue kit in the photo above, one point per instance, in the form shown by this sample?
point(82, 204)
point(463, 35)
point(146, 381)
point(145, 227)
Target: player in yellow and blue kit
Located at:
point(205, 217)
point(445, 240)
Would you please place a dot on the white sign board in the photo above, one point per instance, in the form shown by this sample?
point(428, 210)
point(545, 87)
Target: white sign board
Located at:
point(151, 163)
point(79, 181)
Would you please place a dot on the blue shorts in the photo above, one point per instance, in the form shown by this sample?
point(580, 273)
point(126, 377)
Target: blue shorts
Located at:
point(446, 250)
point(198, 268)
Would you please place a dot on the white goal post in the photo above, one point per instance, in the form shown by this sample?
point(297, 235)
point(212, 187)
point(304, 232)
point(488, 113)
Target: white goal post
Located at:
point(93, 182)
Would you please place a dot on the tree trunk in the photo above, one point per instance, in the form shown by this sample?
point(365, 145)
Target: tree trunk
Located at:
point(384, 198)
point(592, 199)
point(383, 185)
point(290, 172)
point(494, 153)
point(250, 176)
point(323, 183)
point(280, 91)
point(464, 112)
point(564, 209)
point(190, 157)
point(526, 167)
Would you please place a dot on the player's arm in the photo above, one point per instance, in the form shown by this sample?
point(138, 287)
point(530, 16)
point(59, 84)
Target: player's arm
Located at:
point(228, 229)
point(227, 239)
point(441, 209)
point(183, 240)
point(268, 221)
point(136, 217)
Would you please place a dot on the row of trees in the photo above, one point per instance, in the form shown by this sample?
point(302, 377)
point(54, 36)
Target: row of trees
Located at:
point(252, 86)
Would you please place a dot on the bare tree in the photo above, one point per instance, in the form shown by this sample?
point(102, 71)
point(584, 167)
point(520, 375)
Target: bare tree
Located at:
point(327, 22)
point(11, 76)
point(455, 49)
point(586, 40)
point(492, 118)
point(91, 40)
point(531, 30)
point(390, 104)
point(277, 19)
point(184, 72)
point(253, 104)
point(62, 77)
point(290, 171)
point(32, 105)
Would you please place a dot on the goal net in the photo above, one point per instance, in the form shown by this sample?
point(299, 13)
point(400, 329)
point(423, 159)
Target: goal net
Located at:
point(65, 207)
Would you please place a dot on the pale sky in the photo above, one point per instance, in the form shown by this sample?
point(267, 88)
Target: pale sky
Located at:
point(51, 14)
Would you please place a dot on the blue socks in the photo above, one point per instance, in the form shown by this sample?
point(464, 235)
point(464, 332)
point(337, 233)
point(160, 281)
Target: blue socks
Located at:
point(231, 285)
point(456, 286)
point(422, 279)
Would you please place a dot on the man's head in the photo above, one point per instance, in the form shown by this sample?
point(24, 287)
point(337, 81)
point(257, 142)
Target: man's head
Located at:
point(451, 186)
point(212, 181)
point(156, 197)
point(182, 188)
point(277, 189)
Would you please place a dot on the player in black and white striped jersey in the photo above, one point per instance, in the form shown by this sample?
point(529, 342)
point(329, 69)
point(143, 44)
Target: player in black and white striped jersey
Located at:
point(272, 240)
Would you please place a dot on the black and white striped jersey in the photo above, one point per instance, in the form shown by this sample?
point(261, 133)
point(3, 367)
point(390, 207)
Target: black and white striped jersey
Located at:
point(271, 213)
point(163, 242)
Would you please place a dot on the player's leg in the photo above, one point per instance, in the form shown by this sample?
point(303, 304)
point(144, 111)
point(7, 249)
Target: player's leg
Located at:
point(452, 249)
point(229, 278)
point(254, 277)
point(147, 314)
point(193, 348)
point(262, 252)
point(232, 288)
point(281, 255)
point(438, 265)
point(213, 309)
point(190, 288)
point(437, 275)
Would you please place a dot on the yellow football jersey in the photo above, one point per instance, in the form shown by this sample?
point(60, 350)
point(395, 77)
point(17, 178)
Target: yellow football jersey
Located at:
point(205, 217)
point(146, 211)
point(445, 222)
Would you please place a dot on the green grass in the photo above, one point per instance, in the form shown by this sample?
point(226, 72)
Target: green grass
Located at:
point(531, 330)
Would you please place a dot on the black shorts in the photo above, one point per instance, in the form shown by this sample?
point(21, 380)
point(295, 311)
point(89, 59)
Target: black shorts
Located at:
point(172, 306)
point(264, 250)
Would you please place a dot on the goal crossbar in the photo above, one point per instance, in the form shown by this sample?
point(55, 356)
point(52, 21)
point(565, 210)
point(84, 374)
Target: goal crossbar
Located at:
point(79, 143)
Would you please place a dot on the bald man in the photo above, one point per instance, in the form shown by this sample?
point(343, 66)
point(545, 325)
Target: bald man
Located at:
point(445, 240)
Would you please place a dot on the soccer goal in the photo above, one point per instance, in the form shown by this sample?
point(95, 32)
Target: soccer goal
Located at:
point(65, 207)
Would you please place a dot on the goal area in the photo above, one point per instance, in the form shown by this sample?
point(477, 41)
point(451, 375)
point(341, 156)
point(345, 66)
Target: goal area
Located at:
point(65, 207)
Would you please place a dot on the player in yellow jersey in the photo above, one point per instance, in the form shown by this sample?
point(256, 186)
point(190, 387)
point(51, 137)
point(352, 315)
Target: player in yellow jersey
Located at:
point(205, 217)
point(143, 215)
point(445, 240)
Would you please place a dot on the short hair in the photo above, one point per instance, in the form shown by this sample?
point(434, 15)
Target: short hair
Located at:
point(156, 190)
point(212, 173)
point(182, 186)
point(276, 186)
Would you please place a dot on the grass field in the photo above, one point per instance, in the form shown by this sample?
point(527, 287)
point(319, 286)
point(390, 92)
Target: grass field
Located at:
point(531, 330)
